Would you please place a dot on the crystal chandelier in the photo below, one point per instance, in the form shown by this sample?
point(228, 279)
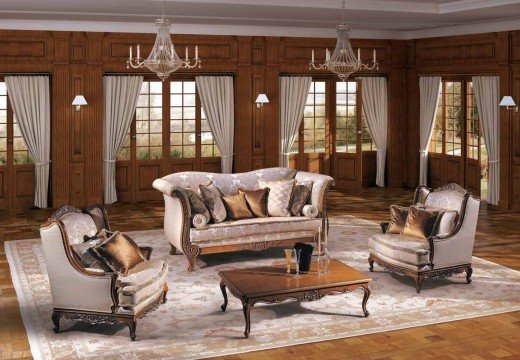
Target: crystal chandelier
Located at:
point(163, 60)
point(343, 62)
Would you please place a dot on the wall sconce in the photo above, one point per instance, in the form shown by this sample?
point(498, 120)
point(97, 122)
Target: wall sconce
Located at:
point(509, 103)
point(78, 101)
point(261, 100)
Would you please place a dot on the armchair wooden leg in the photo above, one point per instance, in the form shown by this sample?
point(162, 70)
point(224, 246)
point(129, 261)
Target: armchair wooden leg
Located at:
point(132, 325)
point(469, 272)
point(418, 280)
point(165, 292)
point(56, 321)
point(371, 263)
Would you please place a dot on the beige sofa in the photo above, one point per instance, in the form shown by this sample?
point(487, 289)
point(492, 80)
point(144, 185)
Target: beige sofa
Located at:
point(247, 234)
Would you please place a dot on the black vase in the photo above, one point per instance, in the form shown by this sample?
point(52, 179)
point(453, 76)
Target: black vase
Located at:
point(305, 256)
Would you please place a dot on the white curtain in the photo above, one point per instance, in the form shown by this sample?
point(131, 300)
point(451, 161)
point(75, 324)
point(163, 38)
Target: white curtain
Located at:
point(121, 95)
point(429, 97)
point(375, 108)
point(31, 102)
point(293, 97)
point(487, 96)
point(217, 98)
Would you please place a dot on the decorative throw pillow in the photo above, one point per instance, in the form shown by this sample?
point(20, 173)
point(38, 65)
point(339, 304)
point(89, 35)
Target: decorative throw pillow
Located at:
point(299, 197)
point(211, 195)
point(236, 207)
point(199, 221)
point(310, 211)
point(86, 258)
point(196, 203)
point(119, 252)
point(398, 215)
point(447, 219)
point(420, 223)
point(257, 201)
point(279, 197)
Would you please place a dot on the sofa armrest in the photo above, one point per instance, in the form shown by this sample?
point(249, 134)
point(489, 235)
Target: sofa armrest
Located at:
point(384, 226)
point(164, 186)
point(320, 188)
point(147, 251)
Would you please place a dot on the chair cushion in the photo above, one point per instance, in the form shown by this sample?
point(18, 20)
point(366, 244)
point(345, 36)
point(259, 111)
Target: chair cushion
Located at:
point(78, 225)
point(254, 230)
point(398, 215)
point(401, 248)
point(420, 223)
point(144, 280)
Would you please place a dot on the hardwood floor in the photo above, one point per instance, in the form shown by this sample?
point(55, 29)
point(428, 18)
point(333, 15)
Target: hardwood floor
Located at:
point(490, 337)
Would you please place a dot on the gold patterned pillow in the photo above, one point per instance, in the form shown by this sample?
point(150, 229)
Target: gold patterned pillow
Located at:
point(279, 197)
point(257, 201)
point(119, 252)
point(420, 223)
point(398, 215)
point(236, 207)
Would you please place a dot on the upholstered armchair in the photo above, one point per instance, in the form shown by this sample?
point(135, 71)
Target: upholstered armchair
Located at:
point(89, 294)
point(441, 255)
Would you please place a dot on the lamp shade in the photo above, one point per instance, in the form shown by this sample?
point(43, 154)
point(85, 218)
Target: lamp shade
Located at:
point(507, 101)
point(262, 99)
point(79, 100)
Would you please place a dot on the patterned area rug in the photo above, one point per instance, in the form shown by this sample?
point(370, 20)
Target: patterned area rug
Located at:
point(191, 324)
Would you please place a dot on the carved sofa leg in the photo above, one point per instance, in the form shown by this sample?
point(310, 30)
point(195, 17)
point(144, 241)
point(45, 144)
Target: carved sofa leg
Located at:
point(469, 272)
point(56, 321)
point(191, 262)
point(165, 292)
point(418, 280)
point(371, 263)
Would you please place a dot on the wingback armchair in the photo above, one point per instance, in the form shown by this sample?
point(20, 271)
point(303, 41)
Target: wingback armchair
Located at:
point(90, 294)
point(441, 255)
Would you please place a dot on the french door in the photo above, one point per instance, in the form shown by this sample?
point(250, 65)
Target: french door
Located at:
point(332, 138)
point(457, 153)
point(169, 133)
point(16, 165)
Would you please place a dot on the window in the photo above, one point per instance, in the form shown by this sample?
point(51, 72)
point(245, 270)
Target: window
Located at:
point(472, 123)
point(453, 116)
point(346, 117)
point(314, 119)
point(148, 121)
point(10, 133)
point(188, 124)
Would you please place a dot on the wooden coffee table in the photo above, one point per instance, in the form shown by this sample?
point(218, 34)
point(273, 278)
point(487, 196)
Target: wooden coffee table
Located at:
point(272, 284)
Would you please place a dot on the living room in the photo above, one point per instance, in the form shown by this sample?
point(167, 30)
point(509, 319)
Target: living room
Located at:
point(204, 179)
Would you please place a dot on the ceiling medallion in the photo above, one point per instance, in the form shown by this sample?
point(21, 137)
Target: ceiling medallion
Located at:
point(163, 60)
point(343, 62)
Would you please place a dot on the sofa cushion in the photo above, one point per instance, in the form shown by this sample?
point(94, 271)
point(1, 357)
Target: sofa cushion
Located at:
point(211, 195)
point(398, 215)
point(447, 219)
point(87, 259)
point(197, 203)
point(445, 199)
point(254, 227)
point(406, 249)
point(420, 223)
point(77, 225)
point(279, 197)
point(143, 281)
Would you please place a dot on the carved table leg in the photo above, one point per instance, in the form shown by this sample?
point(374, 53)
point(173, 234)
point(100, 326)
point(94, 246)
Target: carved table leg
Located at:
point(56, 321)
point(469, 272)
point(132, 325)
point(247, 315)
point(366, 290)
point(223, 289)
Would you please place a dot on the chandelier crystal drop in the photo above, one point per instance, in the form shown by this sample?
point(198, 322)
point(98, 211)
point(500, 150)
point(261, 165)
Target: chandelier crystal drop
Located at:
point(343, 62)
point(163, 60)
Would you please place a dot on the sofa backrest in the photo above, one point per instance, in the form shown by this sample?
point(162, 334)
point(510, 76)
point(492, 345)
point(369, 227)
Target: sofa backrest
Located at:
point(228, 183)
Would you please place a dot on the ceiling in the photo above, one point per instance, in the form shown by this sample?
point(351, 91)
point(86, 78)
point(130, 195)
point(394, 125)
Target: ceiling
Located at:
point(390, 19)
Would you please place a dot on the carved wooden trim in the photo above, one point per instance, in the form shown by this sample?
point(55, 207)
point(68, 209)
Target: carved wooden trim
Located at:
point(259, 246)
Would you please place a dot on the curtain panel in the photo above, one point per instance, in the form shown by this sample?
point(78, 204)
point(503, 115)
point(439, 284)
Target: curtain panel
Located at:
point(217, 97)
point(121, 95)
point(375, 108)
point(293, 97)
point(487, 96)
point(429, 97)
point(31, 102)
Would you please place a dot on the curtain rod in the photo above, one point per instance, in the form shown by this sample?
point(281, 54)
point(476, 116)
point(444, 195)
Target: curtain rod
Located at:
point(25, 74)
point(454, 74)
point(149, 73)
point(311, 75)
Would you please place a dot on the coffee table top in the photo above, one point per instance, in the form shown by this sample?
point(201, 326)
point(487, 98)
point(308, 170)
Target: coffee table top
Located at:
point(272, 280)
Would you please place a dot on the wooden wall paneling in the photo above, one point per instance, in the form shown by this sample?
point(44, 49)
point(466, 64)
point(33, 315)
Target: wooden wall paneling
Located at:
point(369, 168)
point(514, 120)
point(244, 109)
point(22, 46)
point(77, 196)
point(77, 124)
point(506, 129)
point(271, 111)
